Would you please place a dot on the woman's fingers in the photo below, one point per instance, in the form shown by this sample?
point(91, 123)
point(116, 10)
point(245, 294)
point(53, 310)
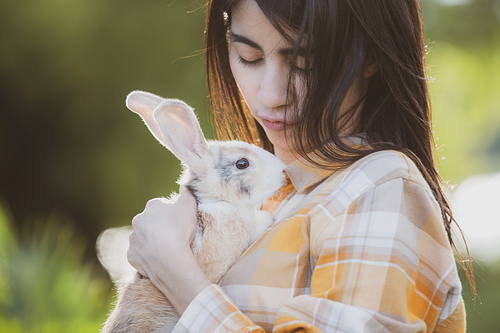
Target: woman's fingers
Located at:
point(160, 247)
point(161, 230)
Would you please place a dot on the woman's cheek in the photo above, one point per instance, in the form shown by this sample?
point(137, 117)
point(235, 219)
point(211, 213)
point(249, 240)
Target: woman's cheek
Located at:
point(246, 84)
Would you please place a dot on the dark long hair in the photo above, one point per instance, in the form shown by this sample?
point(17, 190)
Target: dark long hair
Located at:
point(340, 37)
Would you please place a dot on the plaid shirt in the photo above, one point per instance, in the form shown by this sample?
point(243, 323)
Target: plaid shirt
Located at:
point(359, 249)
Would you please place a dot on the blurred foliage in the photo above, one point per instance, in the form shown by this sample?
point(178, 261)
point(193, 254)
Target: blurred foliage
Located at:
point(68, 143)
point(470, 24)
point(482, 312)
point(67, 140)
point(464, 67)
point(46, 285)
point(466, 103)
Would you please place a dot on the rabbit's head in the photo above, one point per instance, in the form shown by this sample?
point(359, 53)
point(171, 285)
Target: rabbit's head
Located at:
point(232, 171)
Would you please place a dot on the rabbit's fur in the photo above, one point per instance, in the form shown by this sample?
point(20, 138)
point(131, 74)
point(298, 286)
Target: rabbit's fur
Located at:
point(229, 199)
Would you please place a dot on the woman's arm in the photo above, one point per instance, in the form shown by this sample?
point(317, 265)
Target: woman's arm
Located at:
point(383, 264)
point(160, 248)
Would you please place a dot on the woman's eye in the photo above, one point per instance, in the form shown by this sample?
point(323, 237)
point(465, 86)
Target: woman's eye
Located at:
point(300, 65)
point(249, 63)
point(297, 67)
point(242, 164)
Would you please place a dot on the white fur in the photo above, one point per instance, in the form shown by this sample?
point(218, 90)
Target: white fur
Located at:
point(229, 202)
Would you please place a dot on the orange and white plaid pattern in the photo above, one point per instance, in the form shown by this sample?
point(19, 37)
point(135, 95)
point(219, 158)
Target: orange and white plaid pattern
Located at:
point(361, 249)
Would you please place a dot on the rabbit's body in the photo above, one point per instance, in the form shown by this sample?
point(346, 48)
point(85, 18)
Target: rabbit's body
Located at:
point(218, 243)
point(230, 180)
point(223, 235)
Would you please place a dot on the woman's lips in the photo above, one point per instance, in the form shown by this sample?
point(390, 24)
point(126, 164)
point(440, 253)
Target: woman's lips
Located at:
point(274, 125)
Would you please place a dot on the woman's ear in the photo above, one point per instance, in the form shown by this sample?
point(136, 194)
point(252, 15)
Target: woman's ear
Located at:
point(370, 67)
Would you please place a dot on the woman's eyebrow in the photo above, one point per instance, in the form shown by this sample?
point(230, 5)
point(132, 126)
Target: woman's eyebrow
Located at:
point(301, 52)
point(241, 39)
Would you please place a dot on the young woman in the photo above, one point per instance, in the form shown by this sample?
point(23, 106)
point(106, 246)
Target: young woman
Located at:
point(362, 241)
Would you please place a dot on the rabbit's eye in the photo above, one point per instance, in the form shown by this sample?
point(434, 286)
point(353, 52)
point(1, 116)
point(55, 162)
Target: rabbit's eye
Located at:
point(242, 163)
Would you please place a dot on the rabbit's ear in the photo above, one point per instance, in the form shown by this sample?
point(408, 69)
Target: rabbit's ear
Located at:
point(182, 133)
point(144, 104)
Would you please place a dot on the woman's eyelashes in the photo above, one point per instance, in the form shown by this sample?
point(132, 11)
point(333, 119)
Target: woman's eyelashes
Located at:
point(297, 67)
point(253, 63)
point(249, 63)
point(300, 63)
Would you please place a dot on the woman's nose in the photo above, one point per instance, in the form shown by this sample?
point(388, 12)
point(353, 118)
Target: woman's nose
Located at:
point(273, 87)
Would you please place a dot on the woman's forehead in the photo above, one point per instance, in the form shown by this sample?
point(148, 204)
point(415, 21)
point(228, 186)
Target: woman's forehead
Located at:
point(250, 26)
point(248, 14)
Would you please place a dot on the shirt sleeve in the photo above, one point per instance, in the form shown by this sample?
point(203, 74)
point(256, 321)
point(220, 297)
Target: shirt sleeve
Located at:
point(382, 263)
point(213, 311)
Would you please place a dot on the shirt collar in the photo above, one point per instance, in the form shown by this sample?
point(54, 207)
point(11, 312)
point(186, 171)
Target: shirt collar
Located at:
point(303, 174)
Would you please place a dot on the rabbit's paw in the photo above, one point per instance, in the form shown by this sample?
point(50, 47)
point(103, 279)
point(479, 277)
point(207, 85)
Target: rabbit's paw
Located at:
point(263, 220)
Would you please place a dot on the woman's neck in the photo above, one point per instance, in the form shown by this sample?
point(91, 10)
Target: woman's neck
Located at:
point(285, 155)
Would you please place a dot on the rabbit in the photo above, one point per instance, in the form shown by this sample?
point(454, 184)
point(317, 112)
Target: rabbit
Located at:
point(230, 180)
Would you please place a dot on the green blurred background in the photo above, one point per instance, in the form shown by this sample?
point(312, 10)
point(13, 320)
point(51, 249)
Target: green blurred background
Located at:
point(74, 161)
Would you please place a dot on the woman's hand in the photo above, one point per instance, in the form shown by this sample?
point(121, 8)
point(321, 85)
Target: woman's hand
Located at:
point(162, 227)
point(160, 248)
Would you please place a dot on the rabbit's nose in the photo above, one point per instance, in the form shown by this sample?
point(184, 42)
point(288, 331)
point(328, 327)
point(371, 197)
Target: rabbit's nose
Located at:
point(284, 172)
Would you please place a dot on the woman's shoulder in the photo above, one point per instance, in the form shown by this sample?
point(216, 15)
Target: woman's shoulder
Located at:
point(386, 163)
point(377, 169)
point(383, 166)
point(386, 184)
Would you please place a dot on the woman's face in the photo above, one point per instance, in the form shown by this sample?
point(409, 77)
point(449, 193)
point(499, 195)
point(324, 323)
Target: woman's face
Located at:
point(260, 60)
